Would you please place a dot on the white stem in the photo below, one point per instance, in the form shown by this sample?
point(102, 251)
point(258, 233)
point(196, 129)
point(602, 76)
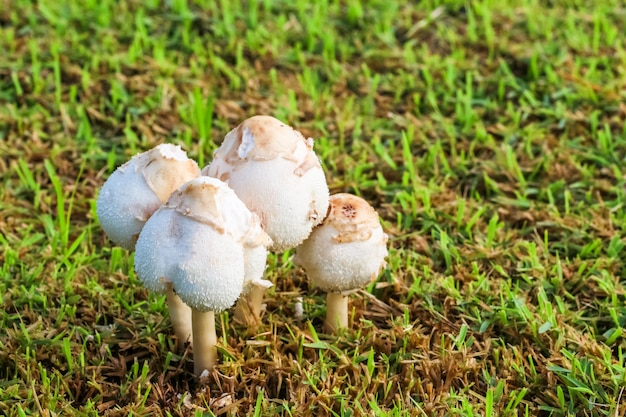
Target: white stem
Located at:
point(250, 306)
point(180, 315)
point(336, 311)
point(205, 341)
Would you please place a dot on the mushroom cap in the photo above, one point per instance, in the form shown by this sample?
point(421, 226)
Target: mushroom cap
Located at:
point(137, 189)
point(238, 221)
point(275, 172)
point(197, 241)
point(348, 250)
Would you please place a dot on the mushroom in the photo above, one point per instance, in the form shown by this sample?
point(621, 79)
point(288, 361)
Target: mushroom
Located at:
point(275, 172)
point(133, 193)
point(202, 242)
point(343, 254)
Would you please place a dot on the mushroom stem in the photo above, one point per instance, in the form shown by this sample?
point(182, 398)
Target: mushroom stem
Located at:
point(336, 311)
point(205, 341)
point(250, 306)
point(180, 315)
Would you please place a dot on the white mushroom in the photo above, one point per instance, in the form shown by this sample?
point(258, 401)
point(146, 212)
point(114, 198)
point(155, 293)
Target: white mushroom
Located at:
point(198, 243)
point(133, 193)
point(344, 253)
point(275, 172)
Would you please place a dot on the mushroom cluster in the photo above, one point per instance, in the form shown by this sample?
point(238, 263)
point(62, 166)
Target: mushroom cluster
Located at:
point(202, 237)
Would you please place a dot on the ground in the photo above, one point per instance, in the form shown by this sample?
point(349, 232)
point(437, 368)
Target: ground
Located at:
point(489, 136)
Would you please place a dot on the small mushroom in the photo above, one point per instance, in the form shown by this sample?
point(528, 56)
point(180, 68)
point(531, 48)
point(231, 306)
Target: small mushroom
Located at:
point(343, 254)
point(275, 172)
point(133, 193)
point(199, 242)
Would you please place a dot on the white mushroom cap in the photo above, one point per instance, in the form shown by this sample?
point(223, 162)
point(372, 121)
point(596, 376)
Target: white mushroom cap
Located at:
point(138, 188)
point(348, 250)
point(197, 241)
point(240, 223)
point(274, 170)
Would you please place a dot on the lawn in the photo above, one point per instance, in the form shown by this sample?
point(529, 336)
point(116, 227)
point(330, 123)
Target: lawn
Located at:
point(489, 135)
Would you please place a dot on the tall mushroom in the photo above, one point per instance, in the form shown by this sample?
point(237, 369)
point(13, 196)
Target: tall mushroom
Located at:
point(275, 172)
point(200, 242)
point(133, 193)
point(343, 254)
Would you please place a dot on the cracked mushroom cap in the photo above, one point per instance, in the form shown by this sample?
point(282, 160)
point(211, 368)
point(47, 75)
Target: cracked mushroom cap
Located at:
point(347, 251)
point(198, 241)
point(137, 189)
point(274, 170)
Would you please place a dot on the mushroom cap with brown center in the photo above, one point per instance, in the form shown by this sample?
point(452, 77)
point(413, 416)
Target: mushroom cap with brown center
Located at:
point(348, 250)
point(275, 172)
point(137, 189)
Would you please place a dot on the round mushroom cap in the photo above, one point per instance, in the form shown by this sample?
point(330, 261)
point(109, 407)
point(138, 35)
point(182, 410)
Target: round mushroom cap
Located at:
point(197, 241)
point(137, 189)
point(275, 172)
point(347, 251)
point(204, 266)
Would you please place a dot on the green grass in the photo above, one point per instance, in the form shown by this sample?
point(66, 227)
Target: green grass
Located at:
point(490, 136)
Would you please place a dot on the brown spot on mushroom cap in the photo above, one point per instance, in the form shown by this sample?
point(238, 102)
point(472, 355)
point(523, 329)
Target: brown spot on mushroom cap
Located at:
point(352, 217)
point(165, 168)
point(271, 136)
point(198, 200)
point(348, 211)
point(313, 214)
point(261, 138)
